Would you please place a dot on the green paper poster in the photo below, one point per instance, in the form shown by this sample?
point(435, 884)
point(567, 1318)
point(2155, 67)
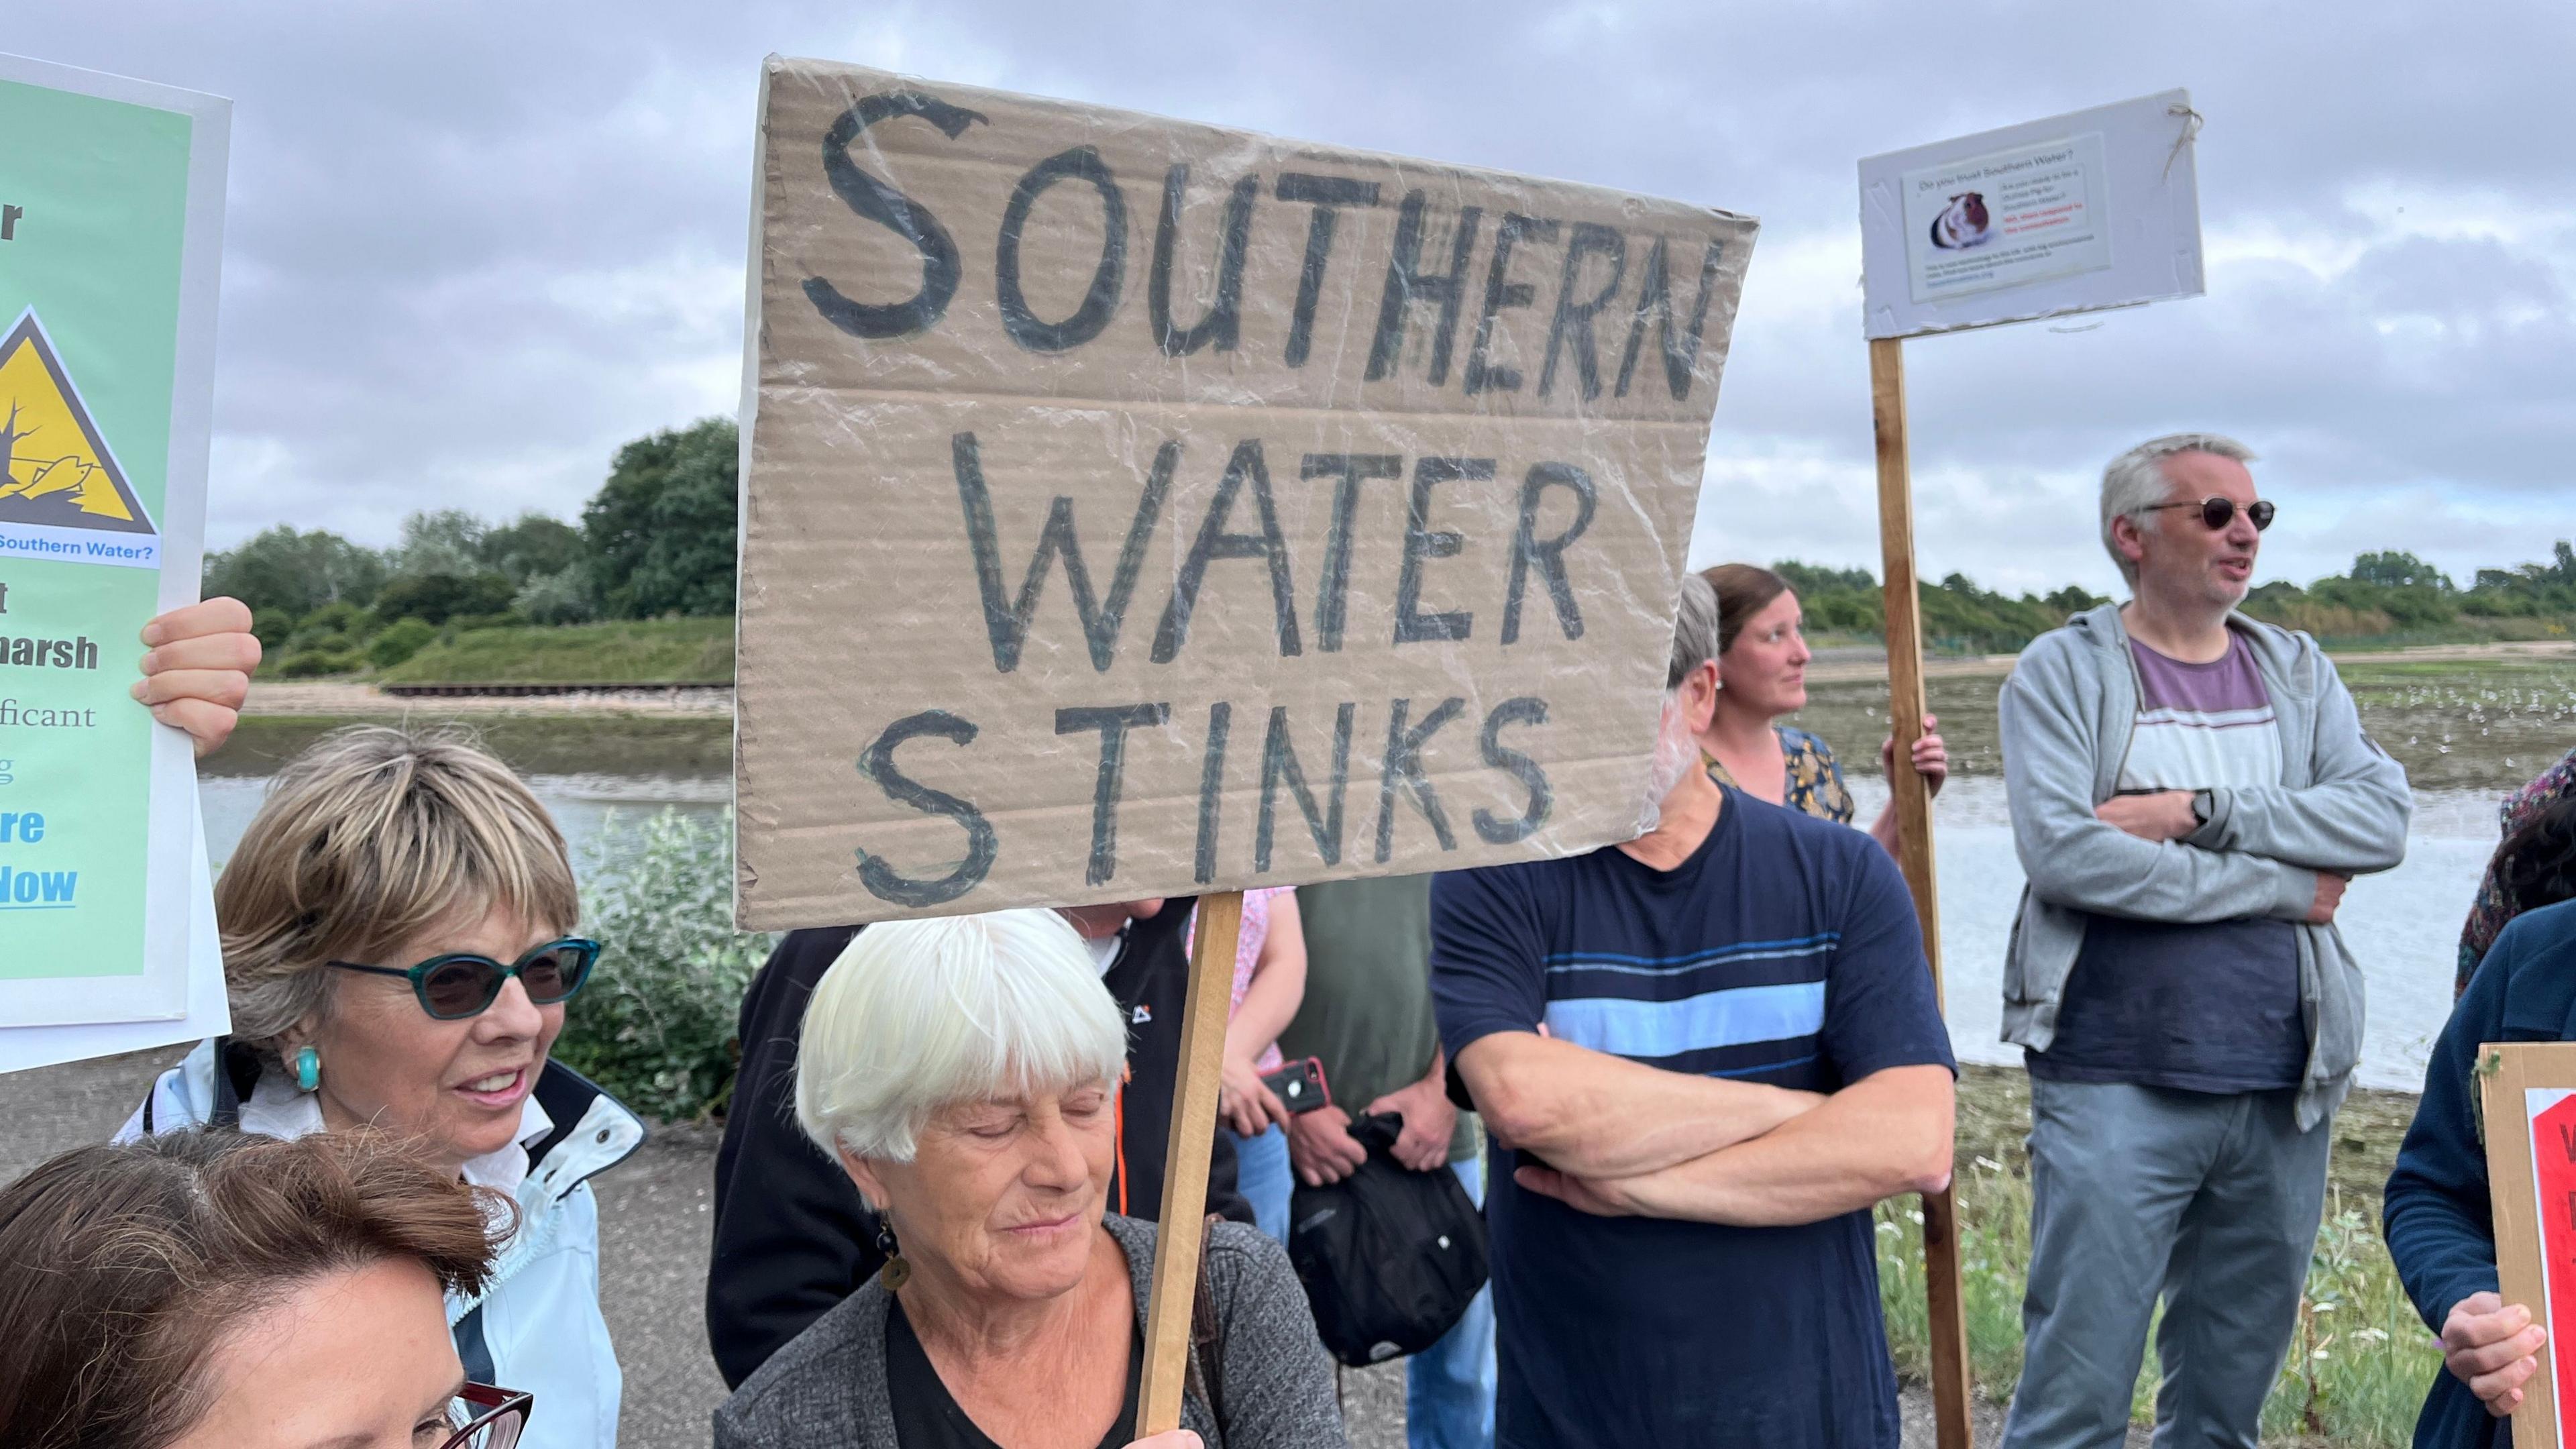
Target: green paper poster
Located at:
point(111, 197)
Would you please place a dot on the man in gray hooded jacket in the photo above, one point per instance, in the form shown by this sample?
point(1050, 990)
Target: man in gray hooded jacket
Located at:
point(2191, 789)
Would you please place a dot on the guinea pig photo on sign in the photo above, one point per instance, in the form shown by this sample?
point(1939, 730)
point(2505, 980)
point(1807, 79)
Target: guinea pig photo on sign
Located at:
point(1963, 222)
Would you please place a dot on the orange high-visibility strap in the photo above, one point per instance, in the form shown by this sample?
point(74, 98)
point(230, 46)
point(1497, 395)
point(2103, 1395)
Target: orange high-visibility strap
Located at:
point(1118, 1129)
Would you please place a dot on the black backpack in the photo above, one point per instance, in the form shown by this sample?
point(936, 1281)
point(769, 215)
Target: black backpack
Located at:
point(1390, 1257)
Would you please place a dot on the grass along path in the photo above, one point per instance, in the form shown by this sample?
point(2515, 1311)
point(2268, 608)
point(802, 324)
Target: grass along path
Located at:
point(2361, 1359)
point(638, 651)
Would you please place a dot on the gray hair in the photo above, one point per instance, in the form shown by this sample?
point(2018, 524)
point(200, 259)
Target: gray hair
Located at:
point(2136, 482)
point(1694, 630)
point(920, 1015)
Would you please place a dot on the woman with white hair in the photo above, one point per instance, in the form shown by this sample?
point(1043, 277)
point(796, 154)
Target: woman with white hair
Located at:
point(965, 1073)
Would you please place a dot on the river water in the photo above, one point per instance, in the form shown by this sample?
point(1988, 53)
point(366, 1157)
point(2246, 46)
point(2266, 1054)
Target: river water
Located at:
point(2404, 925)
point(2465, 736)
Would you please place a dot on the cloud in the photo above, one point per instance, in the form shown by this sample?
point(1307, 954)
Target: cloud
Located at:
point(471, 248)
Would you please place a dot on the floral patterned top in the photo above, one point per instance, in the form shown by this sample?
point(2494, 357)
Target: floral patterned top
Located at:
point(1247, 955)
point(1815, 781)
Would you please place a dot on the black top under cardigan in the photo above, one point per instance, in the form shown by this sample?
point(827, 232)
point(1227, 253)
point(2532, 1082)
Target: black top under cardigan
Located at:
point(829, 1388)
point(791, 1236)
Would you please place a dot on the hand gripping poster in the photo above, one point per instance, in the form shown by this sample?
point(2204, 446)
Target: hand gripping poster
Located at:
point(111, 196)
point(2527, 1110)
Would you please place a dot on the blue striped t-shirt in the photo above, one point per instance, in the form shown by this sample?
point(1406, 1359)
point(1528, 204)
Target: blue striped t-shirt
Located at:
point(1784, 950)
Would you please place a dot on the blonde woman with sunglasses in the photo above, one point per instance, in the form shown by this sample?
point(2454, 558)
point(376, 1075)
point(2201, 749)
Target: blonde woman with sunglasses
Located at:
point(399, 935)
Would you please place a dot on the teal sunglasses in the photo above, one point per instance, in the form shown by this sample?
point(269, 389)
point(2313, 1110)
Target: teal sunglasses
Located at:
point(460, 984)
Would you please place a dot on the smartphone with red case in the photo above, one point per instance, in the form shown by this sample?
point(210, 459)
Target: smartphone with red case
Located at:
point(1300, 1085)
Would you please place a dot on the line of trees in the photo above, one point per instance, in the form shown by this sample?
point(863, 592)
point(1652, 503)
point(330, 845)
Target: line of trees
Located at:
point(2387, 593)
point(657, 539)
point(2394, 592)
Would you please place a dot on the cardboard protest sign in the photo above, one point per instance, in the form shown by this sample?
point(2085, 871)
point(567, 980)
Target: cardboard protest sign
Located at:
point(1138, 508)
point(2075, 213)
point(2528, 1106)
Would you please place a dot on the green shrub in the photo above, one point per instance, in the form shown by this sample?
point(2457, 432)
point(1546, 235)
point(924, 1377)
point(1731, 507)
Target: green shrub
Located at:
point(307, 640)
point(339, 617)
point(400, 640)
point(439, 597)
point(318, 663)
point(562, 597)
point(270, 627)
point(656, 1025)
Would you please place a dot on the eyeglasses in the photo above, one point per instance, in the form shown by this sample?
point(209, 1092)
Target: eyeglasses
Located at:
point(2217, 512)
point(485, 1417)
point(461, 984)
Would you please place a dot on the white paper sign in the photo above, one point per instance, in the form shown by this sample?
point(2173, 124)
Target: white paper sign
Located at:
point(2006, 219)
point(2072, 214)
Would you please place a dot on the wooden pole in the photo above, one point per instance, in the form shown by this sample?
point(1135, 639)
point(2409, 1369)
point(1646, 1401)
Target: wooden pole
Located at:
point(1183, 1224)
point(1912, 801)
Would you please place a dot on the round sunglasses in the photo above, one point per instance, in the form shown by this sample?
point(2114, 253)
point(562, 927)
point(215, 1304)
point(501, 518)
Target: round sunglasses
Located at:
point(460, 984)
point(2216, 513)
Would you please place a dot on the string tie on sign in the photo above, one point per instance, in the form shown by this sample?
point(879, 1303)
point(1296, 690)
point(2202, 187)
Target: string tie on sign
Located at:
point(2192, 121)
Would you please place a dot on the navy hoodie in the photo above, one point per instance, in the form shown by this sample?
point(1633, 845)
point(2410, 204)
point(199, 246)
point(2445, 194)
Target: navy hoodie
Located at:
point(2440, 1226)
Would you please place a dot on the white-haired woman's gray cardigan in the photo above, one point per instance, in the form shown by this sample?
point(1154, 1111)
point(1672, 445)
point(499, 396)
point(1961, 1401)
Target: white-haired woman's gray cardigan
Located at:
point(827, 1388)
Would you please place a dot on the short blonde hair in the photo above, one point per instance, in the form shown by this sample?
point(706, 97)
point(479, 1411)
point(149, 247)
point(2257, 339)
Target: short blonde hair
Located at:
point(920, 1015)
point(366, 840)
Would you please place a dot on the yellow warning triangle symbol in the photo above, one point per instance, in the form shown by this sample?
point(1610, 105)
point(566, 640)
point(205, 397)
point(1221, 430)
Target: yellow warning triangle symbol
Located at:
point(55, 470)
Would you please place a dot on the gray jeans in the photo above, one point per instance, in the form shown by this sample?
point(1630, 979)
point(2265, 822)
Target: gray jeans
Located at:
point(2210, 1199)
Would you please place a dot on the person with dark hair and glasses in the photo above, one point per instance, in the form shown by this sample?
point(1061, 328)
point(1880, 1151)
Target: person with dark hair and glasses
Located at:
point(2534, 865)
point(2190, 790)
point(215, 1290)
point(399, 945)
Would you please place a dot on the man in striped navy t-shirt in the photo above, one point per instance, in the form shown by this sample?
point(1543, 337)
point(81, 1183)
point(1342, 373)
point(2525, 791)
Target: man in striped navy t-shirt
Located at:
point(1702, 1056)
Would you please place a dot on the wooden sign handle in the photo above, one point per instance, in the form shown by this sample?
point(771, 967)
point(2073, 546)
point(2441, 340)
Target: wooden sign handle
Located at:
point(1911, 798)
point(1183, 1225)
point(2505, 1072)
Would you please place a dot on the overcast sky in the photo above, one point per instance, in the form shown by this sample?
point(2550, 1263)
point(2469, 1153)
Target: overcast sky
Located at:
point(473, 247)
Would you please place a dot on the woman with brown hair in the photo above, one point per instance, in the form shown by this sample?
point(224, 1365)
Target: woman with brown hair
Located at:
point(210, 1290)
point(1762, 675)
point(399, 952)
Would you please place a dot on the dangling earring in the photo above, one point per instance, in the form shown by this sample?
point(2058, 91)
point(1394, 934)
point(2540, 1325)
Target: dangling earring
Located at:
point(897, 1272)
point(308, 1069)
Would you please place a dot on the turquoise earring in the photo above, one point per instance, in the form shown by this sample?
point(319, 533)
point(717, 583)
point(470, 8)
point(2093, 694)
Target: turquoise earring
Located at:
point(308, 1069)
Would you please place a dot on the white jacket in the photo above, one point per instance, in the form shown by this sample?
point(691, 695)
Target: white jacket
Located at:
point(537, 1326)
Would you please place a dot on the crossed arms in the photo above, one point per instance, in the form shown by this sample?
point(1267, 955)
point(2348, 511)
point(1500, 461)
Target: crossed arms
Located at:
point(1622, 1139)
point(2261, 852)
